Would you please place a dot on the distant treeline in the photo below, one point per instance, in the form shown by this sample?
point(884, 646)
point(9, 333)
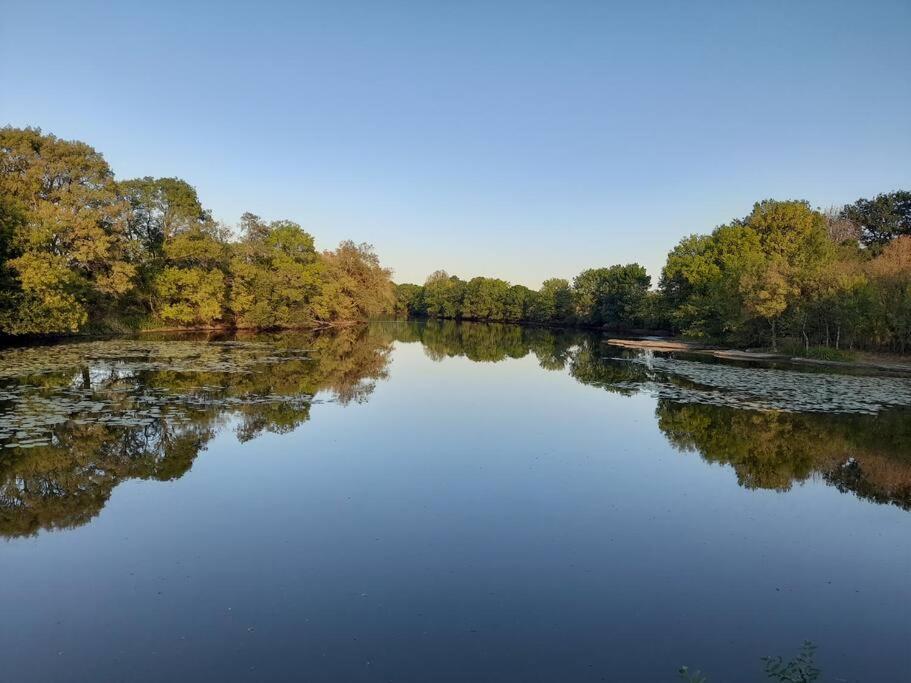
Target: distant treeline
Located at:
point(839, 278)
point(80, 250)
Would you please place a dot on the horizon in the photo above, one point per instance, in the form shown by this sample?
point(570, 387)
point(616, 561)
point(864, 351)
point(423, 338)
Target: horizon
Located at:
point(525, 141)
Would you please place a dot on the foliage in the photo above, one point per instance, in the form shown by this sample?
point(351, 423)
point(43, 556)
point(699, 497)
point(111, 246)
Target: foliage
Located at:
point(613, 296)
point(787, 269)
point(691, 676)
point(79, 250)
point(801, 669)
point(64, 232)
point(354, 285)
point(276, 273)
point(190, 296)
point(882, 218)
point(443, 295)
point(890, 273)
point(159, 208)
point(554, 302)
point(616, 297)
point(818, 352)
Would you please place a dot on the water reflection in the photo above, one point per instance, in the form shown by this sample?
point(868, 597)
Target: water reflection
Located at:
point(77, 419)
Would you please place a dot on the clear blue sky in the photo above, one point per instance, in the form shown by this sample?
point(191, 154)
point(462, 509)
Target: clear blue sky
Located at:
point(521, 139)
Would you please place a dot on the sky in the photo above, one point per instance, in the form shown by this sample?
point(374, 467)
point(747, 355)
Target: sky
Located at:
point(518, 139)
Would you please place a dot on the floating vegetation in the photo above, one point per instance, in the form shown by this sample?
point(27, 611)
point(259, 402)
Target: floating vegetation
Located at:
point(766, 388)
point(127, 355)
point(118, 384)
point(77, 419)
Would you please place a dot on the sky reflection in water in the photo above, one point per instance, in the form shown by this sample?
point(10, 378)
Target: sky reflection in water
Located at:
point(440, 502)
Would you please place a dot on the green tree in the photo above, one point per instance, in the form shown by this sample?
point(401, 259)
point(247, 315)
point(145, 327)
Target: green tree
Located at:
point(68, 248)
point(766, 291)
point(159, 208)
point(796, 252)
point(882, 218)
point(443, 295)
point(484, 298)
point(275, 274)
point(612, 296)
point(516, 304)
point(192, 288)
point(409, 300)
point(553, 302)
point(354, 286)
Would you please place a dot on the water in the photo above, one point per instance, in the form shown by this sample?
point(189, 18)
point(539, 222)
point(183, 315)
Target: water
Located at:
point(444, 502)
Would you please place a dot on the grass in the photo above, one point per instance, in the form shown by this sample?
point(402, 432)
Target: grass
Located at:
point(818, 352)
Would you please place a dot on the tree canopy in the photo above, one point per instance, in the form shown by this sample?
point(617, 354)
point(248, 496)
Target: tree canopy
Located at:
point(79, 250)
point(786, 271)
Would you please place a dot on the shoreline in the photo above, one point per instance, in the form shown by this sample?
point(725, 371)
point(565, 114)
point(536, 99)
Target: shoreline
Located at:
point(680, 346)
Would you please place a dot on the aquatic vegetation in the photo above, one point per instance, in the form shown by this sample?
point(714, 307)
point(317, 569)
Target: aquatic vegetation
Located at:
point(113, 383)
point(774, 389)
point(78, 418)
point(801, 669)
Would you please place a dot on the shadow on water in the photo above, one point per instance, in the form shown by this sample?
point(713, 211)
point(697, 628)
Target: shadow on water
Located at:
point(78, 418)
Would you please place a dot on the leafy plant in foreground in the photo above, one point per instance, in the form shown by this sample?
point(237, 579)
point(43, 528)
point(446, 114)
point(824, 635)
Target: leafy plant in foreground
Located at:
point(800, 669)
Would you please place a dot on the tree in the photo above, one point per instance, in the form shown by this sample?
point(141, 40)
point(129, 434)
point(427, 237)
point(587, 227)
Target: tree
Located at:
point(190, 296)
point(159, 208)
point(409, 300)
point(790, 230)
point(484, 298)
point(767, 291)
point(443, 295)
point(69, 251)
point(891, 275)
point(796, 252)
point(275, 272)
point(192, 288)
point(612, 296)
point(354, 286)
point(840, 228)
point(11, 220)
point(882, 218)
point(553, 303)
point(516, 303)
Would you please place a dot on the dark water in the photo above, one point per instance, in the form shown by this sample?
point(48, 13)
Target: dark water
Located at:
point(438, 502)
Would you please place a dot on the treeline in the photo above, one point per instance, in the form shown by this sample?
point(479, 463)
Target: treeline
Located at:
point(617, 297)
point(80, 250)
point(840, 279)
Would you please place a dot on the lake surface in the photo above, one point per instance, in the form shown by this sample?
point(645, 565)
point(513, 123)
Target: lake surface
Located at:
point(443, 502)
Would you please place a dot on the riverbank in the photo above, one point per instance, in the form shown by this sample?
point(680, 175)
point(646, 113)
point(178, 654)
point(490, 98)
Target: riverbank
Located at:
point(7, 341)
point(864, 360)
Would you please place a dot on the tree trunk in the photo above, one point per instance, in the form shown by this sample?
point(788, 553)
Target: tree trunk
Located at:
point(774, 340)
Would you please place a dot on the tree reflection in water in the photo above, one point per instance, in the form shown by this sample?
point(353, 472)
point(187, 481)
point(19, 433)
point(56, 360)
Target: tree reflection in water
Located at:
point(91, 419)
point(77, 419)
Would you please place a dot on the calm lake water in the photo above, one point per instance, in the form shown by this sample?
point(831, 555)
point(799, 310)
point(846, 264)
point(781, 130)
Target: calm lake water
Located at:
point(442, 502)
